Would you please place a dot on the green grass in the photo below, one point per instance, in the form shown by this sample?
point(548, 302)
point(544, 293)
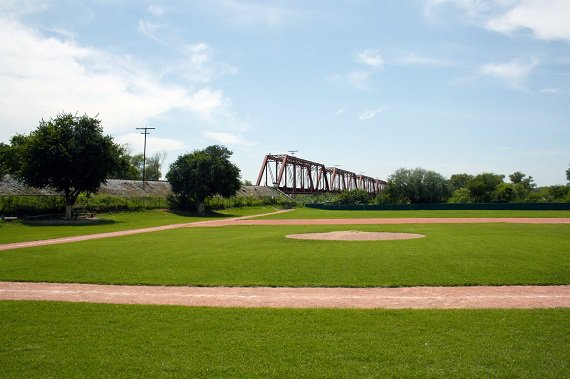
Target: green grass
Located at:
point(110, 222)
point(45, 339)
point(304, 213)
point(449, 255)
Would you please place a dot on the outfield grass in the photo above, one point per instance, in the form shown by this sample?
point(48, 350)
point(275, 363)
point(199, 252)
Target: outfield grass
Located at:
point(110, 222)
point(44, 339)
point(304, 213)
point(449, 255)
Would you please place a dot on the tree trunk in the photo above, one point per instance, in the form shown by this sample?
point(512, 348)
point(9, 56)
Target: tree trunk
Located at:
point(70, 198)
point(200, 206)
point(68, 208)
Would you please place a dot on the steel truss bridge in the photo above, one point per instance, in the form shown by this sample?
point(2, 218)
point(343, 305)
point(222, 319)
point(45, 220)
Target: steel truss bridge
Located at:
point(292, 175)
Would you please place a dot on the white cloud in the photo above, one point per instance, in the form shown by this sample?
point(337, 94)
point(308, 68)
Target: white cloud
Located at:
point(44, 76)
point(419, 60)
point(149, 29)
point(135, 142)
point(514, 72)
point(199, 65)
point(370, 113)
point(156, 10)
point(227, 138)
point(340, 111)
point(371, 58)
point(16, 8)
point(547, 19)
point(249, 13)
point(550, 90)
point(205, 102)
point(360, 79)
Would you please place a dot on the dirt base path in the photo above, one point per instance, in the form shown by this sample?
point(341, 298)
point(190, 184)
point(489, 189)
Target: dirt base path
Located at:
point(252, 297)
point(246, 220)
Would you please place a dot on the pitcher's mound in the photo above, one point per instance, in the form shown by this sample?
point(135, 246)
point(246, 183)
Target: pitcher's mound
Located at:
point(354, 235)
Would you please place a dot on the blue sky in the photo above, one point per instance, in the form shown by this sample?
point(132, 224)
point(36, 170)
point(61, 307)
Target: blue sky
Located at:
point(451, 86)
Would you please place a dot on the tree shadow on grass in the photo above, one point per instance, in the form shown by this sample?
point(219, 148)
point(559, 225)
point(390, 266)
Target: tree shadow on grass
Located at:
point(64, 222)
point(206, 215)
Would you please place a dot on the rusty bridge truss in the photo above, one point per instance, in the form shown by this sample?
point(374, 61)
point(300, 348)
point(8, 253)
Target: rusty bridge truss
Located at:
point(293, 175)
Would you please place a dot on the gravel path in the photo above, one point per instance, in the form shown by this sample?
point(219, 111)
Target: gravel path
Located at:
point(249, 297)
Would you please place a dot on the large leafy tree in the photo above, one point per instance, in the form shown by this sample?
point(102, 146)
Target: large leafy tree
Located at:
point(203, 173)
point(483, 187)
point(70, 154)
point(417, 186)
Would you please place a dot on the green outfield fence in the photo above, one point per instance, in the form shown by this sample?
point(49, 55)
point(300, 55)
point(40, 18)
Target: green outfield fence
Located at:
point(447, 207)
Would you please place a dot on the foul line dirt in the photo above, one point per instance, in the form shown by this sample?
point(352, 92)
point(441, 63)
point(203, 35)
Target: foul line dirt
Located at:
point(255, 297)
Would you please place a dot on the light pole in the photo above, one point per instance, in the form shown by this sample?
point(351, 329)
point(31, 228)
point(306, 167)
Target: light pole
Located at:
point(146, 129)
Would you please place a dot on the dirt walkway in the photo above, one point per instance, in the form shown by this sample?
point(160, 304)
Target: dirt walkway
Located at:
point(250, 297)
point(246, 220)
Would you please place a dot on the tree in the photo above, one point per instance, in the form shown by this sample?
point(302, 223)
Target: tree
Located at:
point(203, 173)
point(568, 174)
point(154, 166)
point(131, 166)
point(69, 154)
point(4, 151)
point(124, 168)
point(417, 186)
point(353, 197)
point(460, 195)
point(457, 181)
point(483, 186)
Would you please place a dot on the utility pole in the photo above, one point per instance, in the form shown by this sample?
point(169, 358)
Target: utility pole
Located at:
point(146, 129)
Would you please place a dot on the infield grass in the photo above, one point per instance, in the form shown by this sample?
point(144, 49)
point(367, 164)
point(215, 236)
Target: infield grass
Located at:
point(45, 339)
point(449, 255)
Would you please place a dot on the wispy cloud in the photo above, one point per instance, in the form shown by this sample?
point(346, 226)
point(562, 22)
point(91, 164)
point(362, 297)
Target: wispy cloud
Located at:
point(374, 63)
point(249, 13)
point(514, 73)
point(135, 142)
point(150, 29)
point(370, 58)
point(227, 138)
point(156, 10)
point(17, 8)
point(420, 60)
point(199, 64)
point(370, 113)
point(340, 111)
point(550, 90)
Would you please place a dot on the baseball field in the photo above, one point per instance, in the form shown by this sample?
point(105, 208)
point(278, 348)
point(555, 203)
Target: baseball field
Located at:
point(74, 338)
